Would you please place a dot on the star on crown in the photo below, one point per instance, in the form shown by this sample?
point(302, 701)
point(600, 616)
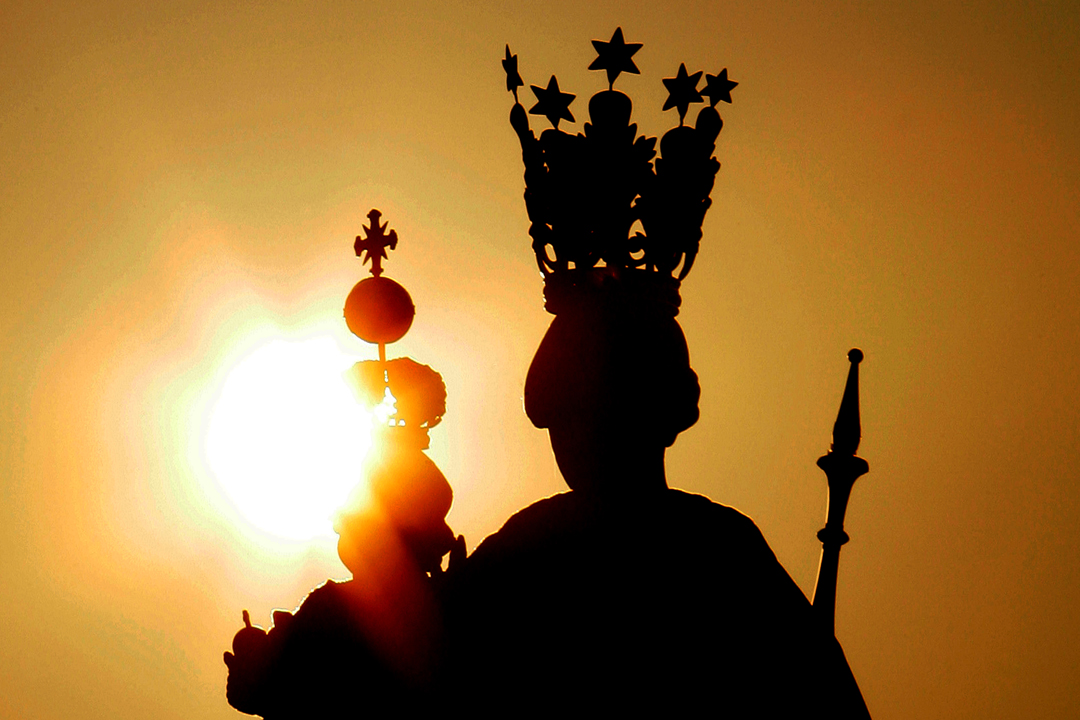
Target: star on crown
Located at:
point(551, 102)
point(615, 56)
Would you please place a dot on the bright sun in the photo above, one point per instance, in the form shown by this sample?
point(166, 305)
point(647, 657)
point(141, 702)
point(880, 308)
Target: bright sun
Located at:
point(287, 437)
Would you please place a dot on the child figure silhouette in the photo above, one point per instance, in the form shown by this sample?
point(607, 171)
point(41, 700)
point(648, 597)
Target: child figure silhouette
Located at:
point(372, 642)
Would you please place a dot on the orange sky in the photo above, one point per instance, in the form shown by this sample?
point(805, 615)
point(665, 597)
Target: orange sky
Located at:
point(180, 182)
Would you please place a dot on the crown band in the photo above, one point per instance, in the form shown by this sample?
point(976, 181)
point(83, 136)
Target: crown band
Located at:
point(624, 286)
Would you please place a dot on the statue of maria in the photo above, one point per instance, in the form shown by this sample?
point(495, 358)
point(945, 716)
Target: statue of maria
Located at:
point(623, 594)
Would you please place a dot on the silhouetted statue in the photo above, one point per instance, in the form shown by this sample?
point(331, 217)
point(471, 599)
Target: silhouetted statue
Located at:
point(623, 595)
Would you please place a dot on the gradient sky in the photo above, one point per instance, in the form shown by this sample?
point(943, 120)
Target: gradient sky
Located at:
point(181, 183)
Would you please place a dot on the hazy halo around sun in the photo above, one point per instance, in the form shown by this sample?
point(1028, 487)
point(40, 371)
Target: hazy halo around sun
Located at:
point(286, 438)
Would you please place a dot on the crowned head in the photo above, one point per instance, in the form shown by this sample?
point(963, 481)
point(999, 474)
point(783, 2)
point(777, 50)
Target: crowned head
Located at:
point(615, 229)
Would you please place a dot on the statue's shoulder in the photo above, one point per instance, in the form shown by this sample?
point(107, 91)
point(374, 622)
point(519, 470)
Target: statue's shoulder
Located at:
point(327, 610)
point(682, 503)
point(330, 595)
point(545, 521)
point(682, 506)
point(669, 517)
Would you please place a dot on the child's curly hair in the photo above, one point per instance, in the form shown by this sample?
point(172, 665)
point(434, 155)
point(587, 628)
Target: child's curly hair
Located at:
point(419, 391)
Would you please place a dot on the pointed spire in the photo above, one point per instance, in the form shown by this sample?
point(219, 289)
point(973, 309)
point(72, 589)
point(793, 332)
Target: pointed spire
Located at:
point(848, 430)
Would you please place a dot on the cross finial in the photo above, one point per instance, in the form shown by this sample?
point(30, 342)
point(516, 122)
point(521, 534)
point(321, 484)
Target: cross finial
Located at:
point(374, 243)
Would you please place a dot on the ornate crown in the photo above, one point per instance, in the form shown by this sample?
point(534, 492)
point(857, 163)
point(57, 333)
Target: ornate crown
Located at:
point(604, 214)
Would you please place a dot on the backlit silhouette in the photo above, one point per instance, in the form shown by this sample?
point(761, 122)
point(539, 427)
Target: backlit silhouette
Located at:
point(622, 595)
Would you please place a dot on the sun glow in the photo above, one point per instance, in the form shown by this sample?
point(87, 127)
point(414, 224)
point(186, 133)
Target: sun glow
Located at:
point(286, 438)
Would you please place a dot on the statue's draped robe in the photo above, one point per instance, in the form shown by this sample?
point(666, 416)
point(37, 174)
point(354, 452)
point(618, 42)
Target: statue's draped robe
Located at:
point(662, 601)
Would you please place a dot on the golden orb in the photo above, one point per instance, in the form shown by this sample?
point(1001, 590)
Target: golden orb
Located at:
point(379, 310)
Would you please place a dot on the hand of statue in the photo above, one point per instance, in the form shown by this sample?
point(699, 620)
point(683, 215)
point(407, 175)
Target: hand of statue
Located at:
point(247, 668)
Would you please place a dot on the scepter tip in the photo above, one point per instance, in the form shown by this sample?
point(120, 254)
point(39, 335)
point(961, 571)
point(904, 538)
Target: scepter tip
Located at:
point(848, 430)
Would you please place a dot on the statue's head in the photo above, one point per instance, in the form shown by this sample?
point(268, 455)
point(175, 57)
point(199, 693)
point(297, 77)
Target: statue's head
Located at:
point(615, 230)
point(611, 380)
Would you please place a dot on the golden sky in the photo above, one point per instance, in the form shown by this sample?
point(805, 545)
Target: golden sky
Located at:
point(182, 183)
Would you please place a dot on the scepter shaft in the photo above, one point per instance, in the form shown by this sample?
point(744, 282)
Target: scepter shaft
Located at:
point(842, 467)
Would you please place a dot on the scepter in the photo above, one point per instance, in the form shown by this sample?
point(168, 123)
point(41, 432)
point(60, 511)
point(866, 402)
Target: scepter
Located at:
point(842, 467)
